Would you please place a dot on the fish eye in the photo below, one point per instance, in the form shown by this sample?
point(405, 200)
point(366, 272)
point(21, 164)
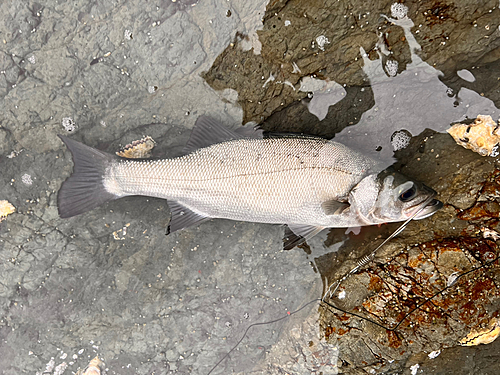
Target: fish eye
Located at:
point(408, 194)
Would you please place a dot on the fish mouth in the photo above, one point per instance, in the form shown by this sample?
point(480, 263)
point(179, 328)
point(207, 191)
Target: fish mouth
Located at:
point(429, 208)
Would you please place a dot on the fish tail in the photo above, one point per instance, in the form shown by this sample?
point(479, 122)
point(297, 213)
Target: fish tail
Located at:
point(84, 189)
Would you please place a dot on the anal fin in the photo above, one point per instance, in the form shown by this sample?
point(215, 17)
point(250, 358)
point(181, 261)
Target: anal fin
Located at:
point(183, 217)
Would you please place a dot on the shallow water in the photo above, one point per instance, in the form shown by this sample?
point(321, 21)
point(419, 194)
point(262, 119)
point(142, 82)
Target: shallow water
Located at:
point(110, 283)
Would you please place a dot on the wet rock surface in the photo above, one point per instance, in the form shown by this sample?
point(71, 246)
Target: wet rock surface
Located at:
point(110, 283)
point(290, 49)
point(431, 285)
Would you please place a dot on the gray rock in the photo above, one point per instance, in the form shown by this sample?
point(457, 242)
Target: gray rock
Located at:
point(110, 283)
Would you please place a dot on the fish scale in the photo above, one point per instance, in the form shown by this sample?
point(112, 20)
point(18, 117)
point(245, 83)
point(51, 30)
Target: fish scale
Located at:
point(261, 180)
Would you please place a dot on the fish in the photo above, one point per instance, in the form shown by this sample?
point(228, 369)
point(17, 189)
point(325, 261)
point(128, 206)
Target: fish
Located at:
point(306, 182)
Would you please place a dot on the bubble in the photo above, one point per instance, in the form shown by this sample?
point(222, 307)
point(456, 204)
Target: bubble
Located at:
point(400, 139)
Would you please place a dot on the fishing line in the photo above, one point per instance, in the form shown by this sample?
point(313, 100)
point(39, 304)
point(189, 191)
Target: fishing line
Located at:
point(361, 263)
point(259, 324)
point(418, 306)
point(368, 258)
point(321, 300)
point(443, 290)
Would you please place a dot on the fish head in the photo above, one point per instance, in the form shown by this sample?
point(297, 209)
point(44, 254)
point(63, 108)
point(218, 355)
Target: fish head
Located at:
point(390, 197)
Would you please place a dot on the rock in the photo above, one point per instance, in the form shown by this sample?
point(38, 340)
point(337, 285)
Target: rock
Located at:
point(482, 136)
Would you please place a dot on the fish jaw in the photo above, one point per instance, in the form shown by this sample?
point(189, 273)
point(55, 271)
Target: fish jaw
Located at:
point(429, 209)
point(424, 205)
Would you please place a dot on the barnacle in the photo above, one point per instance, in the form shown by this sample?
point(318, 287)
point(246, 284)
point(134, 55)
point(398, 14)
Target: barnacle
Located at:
point(489, 233)
point(400, 139)
point(5, 209)
point(138, 149)
point(484, 335)
point(483, 136)
point(116, 233)
point(399, 10)
point(94, 368)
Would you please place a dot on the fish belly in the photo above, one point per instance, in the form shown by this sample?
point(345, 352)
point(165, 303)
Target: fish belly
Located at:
point(270, 181)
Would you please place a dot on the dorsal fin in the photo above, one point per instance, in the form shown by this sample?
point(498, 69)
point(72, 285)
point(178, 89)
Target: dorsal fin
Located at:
point(207, 132)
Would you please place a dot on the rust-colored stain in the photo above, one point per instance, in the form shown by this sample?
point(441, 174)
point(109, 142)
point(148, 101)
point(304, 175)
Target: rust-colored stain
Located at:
point(485, 209)
point(407, 293)
point(344, 317)
point(328, 331)
point(481, 210)
point(448, 285)
point(393, 339)
point(491, 189)
point(410, 287)
point(376, 283)
point(439, 13)
point(413, 262)
point(342, 331)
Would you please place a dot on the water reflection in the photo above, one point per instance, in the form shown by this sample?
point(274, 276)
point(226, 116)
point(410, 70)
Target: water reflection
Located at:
point(413, 100)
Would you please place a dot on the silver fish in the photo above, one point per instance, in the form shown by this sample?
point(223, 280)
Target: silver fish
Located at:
point(306, 182)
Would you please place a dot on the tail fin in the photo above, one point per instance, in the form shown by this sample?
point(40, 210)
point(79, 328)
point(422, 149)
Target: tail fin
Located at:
point(84, 189)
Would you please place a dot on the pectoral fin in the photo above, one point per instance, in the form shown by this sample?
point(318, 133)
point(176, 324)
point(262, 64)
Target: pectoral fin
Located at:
point(183, 217)
point(296, 234)
point(334, 207)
